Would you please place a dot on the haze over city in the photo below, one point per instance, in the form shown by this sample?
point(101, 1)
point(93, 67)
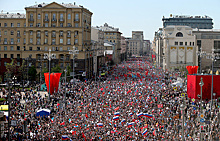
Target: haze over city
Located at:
point(128, 15)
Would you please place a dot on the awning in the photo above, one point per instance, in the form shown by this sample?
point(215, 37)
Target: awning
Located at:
point(4, 108)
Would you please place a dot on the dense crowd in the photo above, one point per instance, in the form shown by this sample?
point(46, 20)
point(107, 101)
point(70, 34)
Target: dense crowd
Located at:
point(135, 102)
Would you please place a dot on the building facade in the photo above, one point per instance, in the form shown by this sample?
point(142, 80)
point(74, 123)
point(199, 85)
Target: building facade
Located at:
point(208, 43)
point(123, 48)
point(179, 47)
point(200, 22)
point(114, 36)
point(135, 44)
point(44, 27)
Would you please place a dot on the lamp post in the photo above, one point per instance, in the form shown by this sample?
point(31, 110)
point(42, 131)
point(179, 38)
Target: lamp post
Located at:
point(49, 57)
point(74, 51)
point(182, 108)
point(201, 54)
point(65, 90)
point(200, 96)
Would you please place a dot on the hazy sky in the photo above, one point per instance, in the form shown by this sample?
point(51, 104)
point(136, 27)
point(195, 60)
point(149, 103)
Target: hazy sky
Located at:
point(131, 15)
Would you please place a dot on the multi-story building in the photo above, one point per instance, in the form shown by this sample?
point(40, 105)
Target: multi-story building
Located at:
point(200, 22)
point(113, 35)
point(135, 44)
point(44, 27)
point(179, 47)
point(97, 37)
point(158, 47)
point(146, 47)
point(123, 48)
point(207, 41)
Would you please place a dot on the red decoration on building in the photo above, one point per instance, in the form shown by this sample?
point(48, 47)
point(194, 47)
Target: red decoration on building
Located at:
point(54, 81)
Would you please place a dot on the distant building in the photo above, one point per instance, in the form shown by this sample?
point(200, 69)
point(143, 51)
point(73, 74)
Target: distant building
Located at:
point(123, 48)
point(200, 22)
point(113, 35)
point(135, 44)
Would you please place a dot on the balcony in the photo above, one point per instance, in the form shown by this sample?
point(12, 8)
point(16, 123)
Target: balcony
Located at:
point(31, 20)
point(68, 35)
point(68, 43)
point(11, 43)
point(46, 20)
point(76, 20)
point(61, 20)
point(53, 35)
point(38, 43)
point(53, 20)
point(53, 43)
point(38, 35)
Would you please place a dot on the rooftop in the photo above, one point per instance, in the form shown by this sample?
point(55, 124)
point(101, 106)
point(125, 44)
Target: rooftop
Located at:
point(187, 16)
point(12, 15)
point(206, 30)
point(106, 27)
point(67, 5)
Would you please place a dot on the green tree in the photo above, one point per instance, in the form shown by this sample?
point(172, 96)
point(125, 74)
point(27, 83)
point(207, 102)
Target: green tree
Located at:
point(45, 70)
point(32, 73)
point(11, 69)
point(56, 69)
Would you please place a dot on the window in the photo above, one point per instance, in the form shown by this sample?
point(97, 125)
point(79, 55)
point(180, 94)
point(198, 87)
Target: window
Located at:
point(12, 24)
point(38, 48)
point(57, 49)
point(61, 48)
point(45, 48)
point(185, 43)
point(31, 17)
point(46, 41)
point(11, 48)
point(18, 40)
point(5, 24)
point(61, 33)
point(12, 32)
point(12, 56)
point(46, 24)
point(24, 32)
point(77, 17)
point(61, 41)
point(179, 34)
point(18, 47)
point(76, 25)
point(61, 17)
point(18, 33)
point(5, 41)
point(181, 43)
point(5, 33)
point(18, 64)
point(46, 33)
point(18, 24)
point(53, 33)
point(53, 25)
point(54, 17)
point(31, 40)
point(61, 24)
point(12, 40)
point(24, 24)
point(53, 48)
point(76, 33)
point(176, 43)
point(193, 43)
point(24, 41)
point(30, 48)
point(0, 26)
point(31, 24)
point(53, 42)
point(46, 16)
point(68, 24)
point(5, 48)
point(38, 41)
point(68, 48)
point(38, 33)
point(5, 55)
point(68, 34)
point(38, 24)
point(68, 41)
point(190, 43)
point(69, 16)
point(24, 48)
point(18, 56)
point(38, 16)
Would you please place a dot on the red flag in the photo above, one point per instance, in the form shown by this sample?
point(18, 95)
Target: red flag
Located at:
point(101, 89)
point(86, 115)
point(116, 108)
point(83, 135)
point(63, 123)
point(58, 104)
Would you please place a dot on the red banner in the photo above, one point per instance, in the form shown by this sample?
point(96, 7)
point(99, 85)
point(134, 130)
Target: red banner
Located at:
point(194, 89)
point(54, 81)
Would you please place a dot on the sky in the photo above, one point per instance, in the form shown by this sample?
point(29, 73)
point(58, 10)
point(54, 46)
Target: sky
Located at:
point(131, 15)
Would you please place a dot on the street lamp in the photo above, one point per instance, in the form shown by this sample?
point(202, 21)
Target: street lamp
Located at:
point(49, 57)
point(65, 90)
point(201, 54)
point(74, 51)
point(182, 108)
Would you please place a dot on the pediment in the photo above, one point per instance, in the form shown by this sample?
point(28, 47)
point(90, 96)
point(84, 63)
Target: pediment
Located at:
point(53, 5)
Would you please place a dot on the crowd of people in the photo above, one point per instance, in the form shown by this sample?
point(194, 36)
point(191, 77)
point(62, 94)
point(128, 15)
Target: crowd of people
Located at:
point(135, 102)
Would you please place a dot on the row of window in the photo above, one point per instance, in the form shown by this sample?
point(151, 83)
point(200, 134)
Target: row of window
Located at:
point(12, 56)
point(110, 33)
point(54, 33)
point(54, 16)
point(53, 25)
point(12, 48)
point(181, 43)
point(11, 33)
point(38, 42)
point(12, 25)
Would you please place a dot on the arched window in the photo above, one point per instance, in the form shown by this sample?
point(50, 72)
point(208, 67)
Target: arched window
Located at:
point(179, 34)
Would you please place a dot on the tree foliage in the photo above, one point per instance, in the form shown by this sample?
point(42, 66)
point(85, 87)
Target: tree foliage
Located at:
point(56, 69)
point(11, 69)
point(32, 73)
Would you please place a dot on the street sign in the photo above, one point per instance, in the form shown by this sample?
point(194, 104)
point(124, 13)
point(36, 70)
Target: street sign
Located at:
point(13, 123)
point(182, 94)
point(202, 120)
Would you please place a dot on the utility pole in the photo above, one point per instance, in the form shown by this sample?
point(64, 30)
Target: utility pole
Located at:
point(74, 51)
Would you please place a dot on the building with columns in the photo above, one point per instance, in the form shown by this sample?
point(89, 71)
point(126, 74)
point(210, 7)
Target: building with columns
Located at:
point(179, 48)
point(53, 26)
